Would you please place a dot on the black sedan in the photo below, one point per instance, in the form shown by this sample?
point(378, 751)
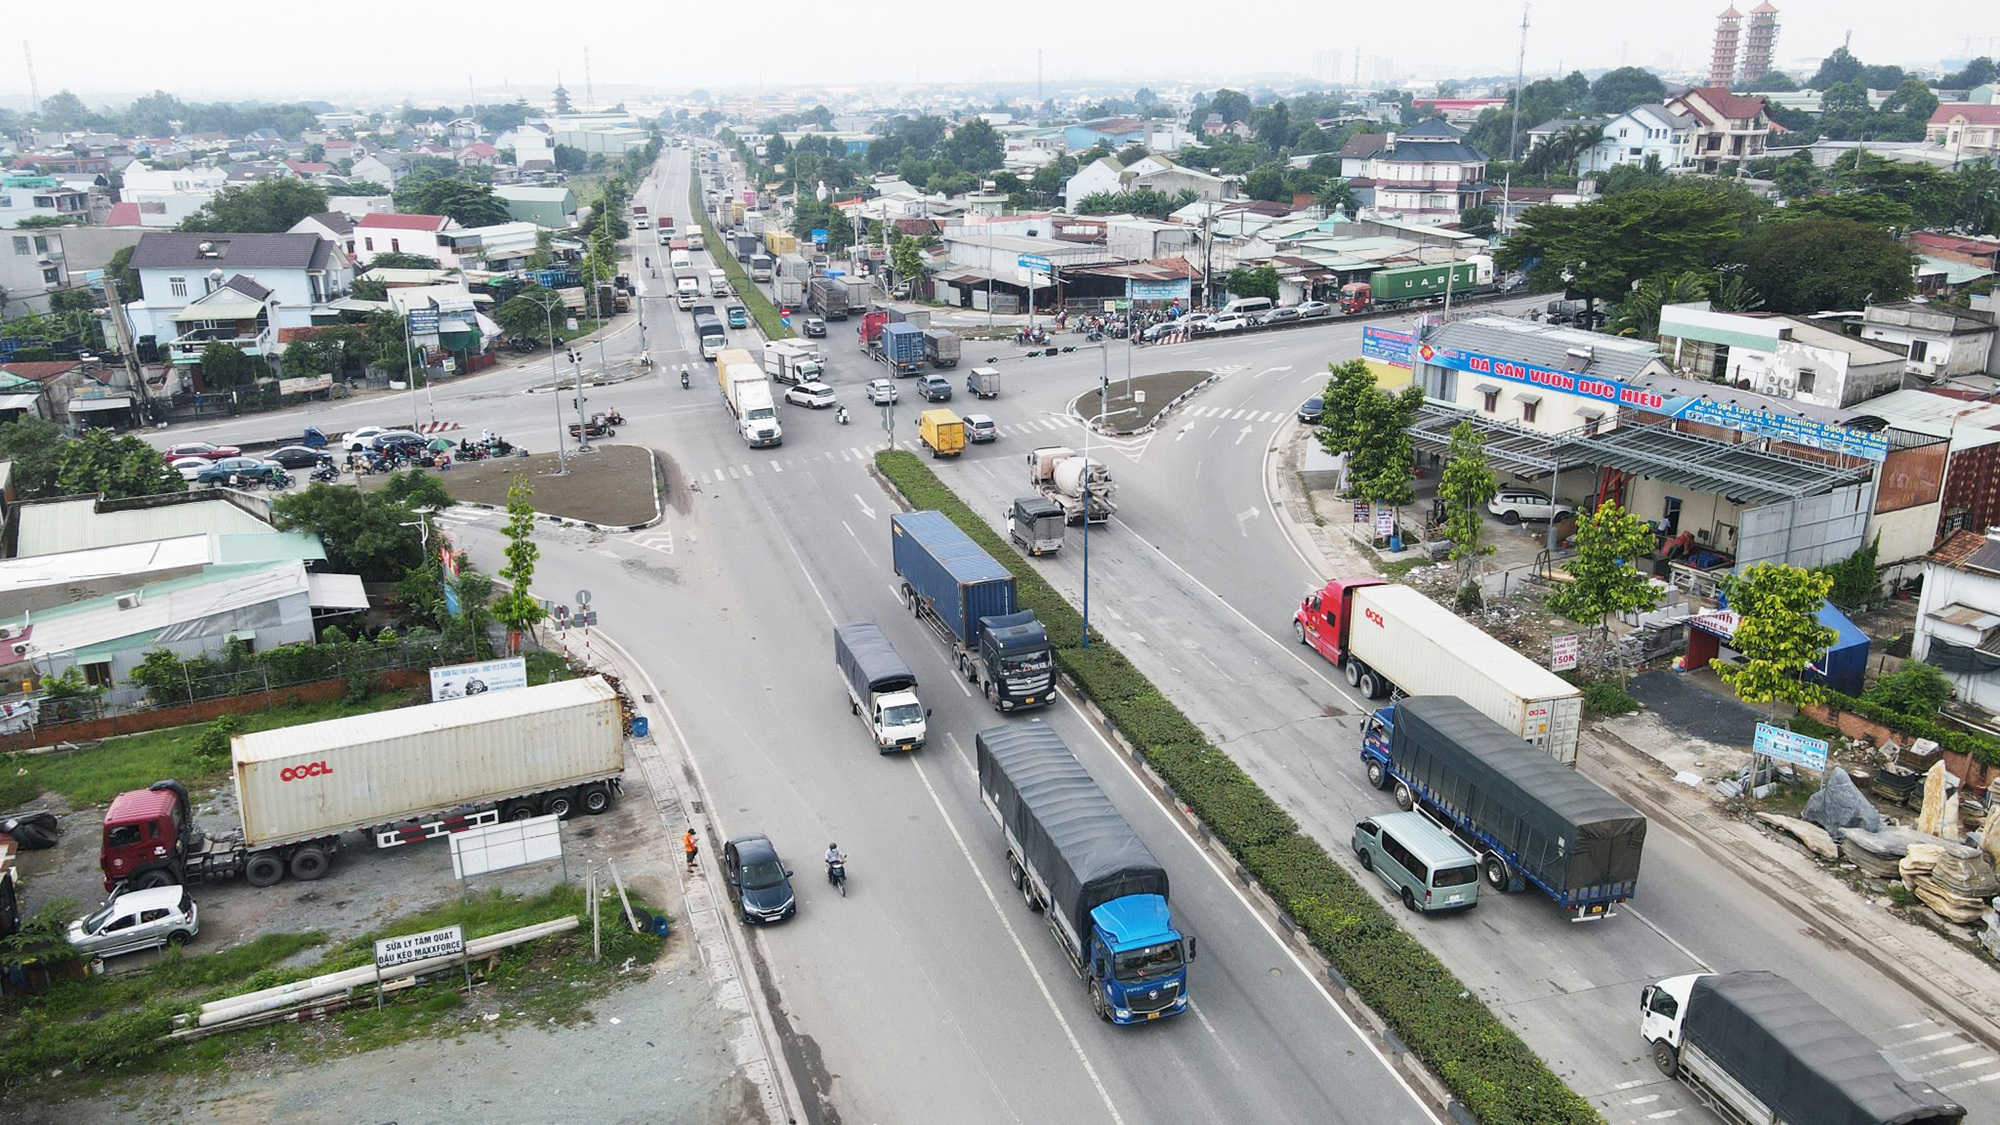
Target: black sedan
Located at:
point(1311, 410)
point(297, 456)
point(758, 880)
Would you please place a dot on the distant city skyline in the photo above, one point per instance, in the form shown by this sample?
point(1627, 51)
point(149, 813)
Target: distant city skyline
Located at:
point(234, 50)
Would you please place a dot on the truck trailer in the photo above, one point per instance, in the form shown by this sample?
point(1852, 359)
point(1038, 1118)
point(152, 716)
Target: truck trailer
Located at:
point(827, 297)
point(1077, 862)
point(1081, 486)
point(899, 347)
point(969, 601)
point(415, 773)
point(880, 687)
point(941, 347)
point(1386, 638)
point(1756, 1048)
point(1529, 818)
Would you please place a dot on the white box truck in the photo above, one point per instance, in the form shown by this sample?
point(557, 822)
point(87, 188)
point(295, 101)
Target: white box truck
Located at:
point(880, 687)
point(415, 773)
point(1387, 638)
point(748, 395)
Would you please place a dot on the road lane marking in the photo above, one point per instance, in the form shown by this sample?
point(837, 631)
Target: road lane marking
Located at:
point(747, 472)
point(1243, 520)
point(1241, 434)
point(865, 509)
point(718, 476)
point(1219, 1044)
point(777, 466)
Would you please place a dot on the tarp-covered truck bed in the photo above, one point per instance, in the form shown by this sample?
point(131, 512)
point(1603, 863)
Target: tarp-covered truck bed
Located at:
point(868, 661)
point(1800, 1059)
point(1065, 826)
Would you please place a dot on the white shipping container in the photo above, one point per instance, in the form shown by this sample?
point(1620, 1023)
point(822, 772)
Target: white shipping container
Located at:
point(1425, 649)
point(298, 783)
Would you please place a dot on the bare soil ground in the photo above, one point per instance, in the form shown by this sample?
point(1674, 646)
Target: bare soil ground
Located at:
point(611, 486)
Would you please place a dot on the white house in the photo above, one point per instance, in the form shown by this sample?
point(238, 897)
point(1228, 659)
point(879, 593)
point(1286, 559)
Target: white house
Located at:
point(1777, 356)
point(32, 266)
point(256, 283)
point(534, 147)
point(424, 235)
point(35, 196)
point(1647, 132)
point(385, 168)
point(166, 197)
point(1101, 175)
point(333, 226)
point(1940, 341)
point(1958, 615)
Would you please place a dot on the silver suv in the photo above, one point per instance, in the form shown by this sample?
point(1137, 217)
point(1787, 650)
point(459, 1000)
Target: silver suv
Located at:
point(1514, 504)
point(135, 920)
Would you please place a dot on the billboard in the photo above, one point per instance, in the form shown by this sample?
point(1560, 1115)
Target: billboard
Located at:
point(1535, 375)
point(460, 680)
point(1384, 346)
point(1782, 427)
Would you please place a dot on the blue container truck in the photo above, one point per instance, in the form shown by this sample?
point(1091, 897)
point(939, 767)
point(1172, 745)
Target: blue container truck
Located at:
point(1077, 861)
point(1529, 818)
point(901, 346)
point(968, 599)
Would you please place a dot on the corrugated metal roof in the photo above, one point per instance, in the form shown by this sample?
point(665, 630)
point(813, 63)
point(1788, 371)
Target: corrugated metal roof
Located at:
point(102, 562)
point(55, 526)
point(216, 590)
point(1527, 341)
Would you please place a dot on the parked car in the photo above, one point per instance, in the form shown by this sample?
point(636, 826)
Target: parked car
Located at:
point(137, 920)
point(881, 391)
point(189, 467)
point(814, 394)
point(934, 388)
point(979, 429)
point(237, 468)
point(1514, 504)
point(393, 439)
point(815, 327)
point(1310, 309)
point(1226, 322)
point(1279, 315)
point(1311, 410)
point(355, 441)
point(1194, 323)
point(1159, 331)
point(201, 449)
point(757, 879)
point(297, 456)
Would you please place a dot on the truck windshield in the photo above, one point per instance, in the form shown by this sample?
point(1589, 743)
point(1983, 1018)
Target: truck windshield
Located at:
point(902, 715)
point(1026, 665)
point(762, 414)
point(1153, 962)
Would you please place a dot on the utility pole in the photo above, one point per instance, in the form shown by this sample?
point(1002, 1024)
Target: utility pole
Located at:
point(1520, 75)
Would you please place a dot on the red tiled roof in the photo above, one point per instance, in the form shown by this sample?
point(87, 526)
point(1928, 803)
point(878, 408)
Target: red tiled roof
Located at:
point(1973, 113)
point(1953, 552)
point(1725, 103)
point(306, 167)
point(124, 214)
point(41, 371)
point(479, 148)
point(1955, 244)
point(381, 221)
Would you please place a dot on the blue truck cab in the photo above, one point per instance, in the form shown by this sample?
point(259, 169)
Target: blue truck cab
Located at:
point(1138, 961)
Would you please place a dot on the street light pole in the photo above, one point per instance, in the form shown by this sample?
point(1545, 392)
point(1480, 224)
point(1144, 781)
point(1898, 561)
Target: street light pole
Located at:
point(555, 387)
point(582, 427)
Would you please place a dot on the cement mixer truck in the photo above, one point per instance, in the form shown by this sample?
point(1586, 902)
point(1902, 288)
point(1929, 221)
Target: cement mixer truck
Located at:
point(1081, 486)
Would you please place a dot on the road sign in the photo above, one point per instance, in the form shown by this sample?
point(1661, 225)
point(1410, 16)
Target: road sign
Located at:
point(1139, 397)
point(1034, 263)
point(583, 597)
point(423, 322)
point(411, 948)
point(786, 320)
point(1564, 651)
point(1789, 746)
point(819, 236)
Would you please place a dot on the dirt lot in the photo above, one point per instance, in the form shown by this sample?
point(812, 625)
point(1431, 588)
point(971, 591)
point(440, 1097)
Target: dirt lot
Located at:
point(612, 486)
point(1160, 390)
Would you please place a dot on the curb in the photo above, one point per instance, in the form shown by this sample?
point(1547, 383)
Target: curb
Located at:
point(1169, 408)
point(659, 508)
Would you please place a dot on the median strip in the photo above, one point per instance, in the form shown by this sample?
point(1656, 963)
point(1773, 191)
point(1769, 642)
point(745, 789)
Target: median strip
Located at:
point(1480, 1060)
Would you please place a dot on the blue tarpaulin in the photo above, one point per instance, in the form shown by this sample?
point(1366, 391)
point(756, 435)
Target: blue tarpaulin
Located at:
point(1846, 660)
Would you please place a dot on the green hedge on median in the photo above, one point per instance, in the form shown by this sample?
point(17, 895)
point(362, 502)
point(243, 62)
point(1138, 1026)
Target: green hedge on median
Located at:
point(1479, 1058)
point(761, 309)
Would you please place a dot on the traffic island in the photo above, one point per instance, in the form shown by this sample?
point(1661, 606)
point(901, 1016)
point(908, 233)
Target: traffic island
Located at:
point(610, 486)
point(1135, 406)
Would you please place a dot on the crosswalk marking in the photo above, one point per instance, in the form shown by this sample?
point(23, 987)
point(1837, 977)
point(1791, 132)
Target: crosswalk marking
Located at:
point(777, 466)
point(747, 472)
point(718, 476)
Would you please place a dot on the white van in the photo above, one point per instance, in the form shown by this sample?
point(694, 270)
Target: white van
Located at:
point(1249, 307)
point(680, 261)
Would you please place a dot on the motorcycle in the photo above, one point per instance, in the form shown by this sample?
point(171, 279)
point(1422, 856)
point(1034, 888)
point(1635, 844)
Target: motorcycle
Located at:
point(684, 380)
point(326, 474)
point(614, 418)
point(279, 481)
point(840, 415)
point(836, 874)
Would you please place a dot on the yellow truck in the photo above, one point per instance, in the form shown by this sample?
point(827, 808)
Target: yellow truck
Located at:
point(780, 243)
point(942, 431)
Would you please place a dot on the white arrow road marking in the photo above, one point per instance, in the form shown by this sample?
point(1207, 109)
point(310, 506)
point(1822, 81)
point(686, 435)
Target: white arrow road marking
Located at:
point(1272, 371)
point(1242, 433)
point(1181, 434)
point(865, 509)
point(1243, 519)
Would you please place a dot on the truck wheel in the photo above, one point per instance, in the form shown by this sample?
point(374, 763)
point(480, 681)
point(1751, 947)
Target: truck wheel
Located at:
point(309, 863)
point(1299, 630)
point(1028, 895)
point(1404, 799)
point(517, 810)
point(1377, 776)
point(993, 694)
point(157, 877)
point(1370, 686)
point(1409, 900)
point(561, 804)
point(1352, 670)
point(1014, 871)
point(1498, 875)
point(1666, 1058)
point(1097, 1003)
point(264, 870)
point(596, 799)
point(853, 708)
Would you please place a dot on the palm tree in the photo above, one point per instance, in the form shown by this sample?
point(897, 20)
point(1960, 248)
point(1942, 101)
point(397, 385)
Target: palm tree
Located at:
point(1339, 196)
point(1734, 294)
point(1638, 315)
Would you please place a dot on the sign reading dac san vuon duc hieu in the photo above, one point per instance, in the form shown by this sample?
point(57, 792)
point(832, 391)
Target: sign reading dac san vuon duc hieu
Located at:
point(1535, 375)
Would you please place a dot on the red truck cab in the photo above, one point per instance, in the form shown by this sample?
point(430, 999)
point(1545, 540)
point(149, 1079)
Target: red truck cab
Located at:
point(872, 324)
point(142, 832)
point(1322, 620)
point(1356, 296)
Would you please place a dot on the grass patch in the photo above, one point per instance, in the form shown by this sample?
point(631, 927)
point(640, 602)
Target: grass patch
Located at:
point(94, 775)
point(92, 1027)
point(761, 309)
point(1604, 699)
point(1481, 1060)
point(546, 666)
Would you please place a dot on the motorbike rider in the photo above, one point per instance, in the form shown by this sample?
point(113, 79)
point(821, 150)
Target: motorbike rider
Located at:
point(834, 856)
point(684, 379)
point(840, 414)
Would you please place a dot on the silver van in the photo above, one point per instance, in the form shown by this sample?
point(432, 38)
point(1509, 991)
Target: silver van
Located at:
point(1430, 869)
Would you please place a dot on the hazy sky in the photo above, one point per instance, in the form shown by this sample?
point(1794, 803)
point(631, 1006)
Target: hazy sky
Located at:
point(215, 49)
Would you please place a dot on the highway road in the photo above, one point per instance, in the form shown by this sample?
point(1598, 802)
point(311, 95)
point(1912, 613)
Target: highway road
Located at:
point(929, 992)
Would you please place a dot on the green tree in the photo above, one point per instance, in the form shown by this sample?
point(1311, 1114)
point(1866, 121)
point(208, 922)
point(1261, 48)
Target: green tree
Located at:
point(1379, 467)
point(34, 445)
point(46, 222)
point(1733, 294)
point(1266, 183)
point(364, 532)
point(1876, 211)
point(1778, 633)
point(1464, 489)
point(1616, 91)
point(1819, 263)
point(1602, 579)
point(1916, 688)
point(518, 608)
point(226, 367)
point(1256, 281)
point(265, 207)
point(1911, 99)
point(64, 112)
point(525, 316)
point(397, 260)
point(114, 467)
point(1348, 385)
point(975, 147)
point(905, 257)
point(1479, 221)
point(468, 202)
point(1599, 249)
point(1338, 195)
point(120, 270)
point(1639, 313)
point(1840, 66)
